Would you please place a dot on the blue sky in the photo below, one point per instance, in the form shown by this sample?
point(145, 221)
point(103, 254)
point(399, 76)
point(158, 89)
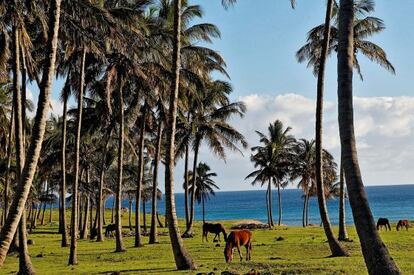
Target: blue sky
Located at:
point(259, 41)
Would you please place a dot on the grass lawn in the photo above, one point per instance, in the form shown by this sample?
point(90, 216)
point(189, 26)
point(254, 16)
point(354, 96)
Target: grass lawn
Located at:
point(303, 251)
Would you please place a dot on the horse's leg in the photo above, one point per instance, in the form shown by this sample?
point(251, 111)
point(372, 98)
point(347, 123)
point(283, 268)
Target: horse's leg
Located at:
point(389, 226)
point(247, 251)
point(240, 254)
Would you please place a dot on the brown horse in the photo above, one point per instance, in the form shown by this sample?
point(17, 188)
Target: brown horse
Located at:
point(403, 223)
point(237, 239)
point(383, 222)
point(215, 228)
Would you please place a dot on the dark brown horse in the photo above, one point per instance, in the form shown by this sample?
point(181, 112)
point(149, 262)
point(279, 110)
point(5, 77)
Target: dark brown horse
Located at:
point(215, 228)
point(403, 223)
point(383, 222)
point(238, 239)
point(110, 228)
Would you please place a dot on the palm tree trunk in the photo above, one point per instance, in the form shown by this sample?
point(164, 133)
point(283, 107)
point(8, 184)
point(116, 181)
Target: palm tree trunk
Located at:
point(118, 222)
point(153, 230)
point(269, 188)
point(84, 234)
point(343, 234)
point(183, 260)
point(186, 159)
point(73, 257)
point(101, 204)
point(130, 215)
point(279, 197)
point(267, 208)
point(80, 205)
point(144, 217)
point(376, 255)
point(9, 158)
point(204, 210)
point(113, 210)
point(50, 212)
point(138, 239)
point(159, 221)
point(25, 264)
point(64, 242)
point(334, 245)
point(189, 231)
point(307, 210)
point(186, 209)
point(304, 207)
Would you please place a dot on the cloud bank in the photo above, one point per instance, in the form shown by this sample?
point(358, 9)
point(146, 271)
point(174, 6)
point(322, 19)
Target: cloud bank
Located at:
point(384, 128)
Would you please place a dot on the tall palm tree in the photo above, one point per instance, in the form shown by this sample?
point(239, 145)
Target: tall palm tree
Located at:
point(204, 185)
point(23, 188)
point(334, 245)
point(73, 259)
point(273, 158)
point(376, 255)
point(183, 260)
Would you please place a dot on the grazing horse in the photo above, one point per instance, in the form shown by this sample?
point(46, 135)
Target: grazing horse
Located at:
point(215, 228)
point(237, 239)
point(383, 222)
point(109, 229)
point(403, 223)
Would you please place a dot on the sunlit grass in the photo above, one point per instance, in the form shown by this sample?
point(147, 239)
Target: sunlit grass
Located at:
point(303, 251)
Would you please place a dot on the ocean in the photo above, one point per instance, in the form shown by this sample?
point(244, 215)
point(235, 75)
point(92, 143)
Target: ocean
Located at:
point(393, 202)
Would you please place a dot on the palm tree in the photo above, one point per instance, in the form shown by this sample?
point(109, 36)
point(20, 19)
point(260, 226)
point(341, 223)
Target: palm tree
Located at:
point(273, 160)
point(376, 255)
point(204, 185)
point(209, 122)
point(183, 260)
point(28, 171)
point(336, 248)
point(364, 26)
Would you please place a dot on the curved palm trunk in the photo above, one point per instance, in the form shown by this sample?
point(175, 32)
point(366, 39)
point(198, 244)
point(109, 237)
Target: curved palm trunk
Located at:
point(334, 245)
point(84, 234)
point(189, 230)
point(279, 197)
point(118, 222)
point(64, 242)
point(269, 188)
point(25, 264)
point(73, 257)
point(101, 205)
point(376, 255)
point(138, 239)
point(307, 210)
point(153, 230)
point(204, 210)
point(343, 234)
point(183, 260)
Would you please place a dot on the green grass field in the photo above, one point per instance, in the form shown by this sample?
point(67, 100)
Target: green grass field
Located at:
point(303, 251)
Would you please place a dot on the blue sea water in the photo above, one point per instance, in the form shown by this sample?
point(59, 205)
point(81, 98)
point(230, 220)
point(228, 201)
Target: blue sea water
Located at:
point(394, 202)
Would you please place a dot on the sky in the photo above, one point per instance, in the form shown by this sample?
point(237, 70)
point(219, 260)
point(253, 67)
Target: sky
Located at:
point(259, 41)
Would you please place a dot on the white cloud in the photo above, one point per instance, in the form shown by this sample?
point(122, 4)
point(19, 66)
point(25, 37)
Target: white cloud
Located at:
point(55, 107)
point(384, 128)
